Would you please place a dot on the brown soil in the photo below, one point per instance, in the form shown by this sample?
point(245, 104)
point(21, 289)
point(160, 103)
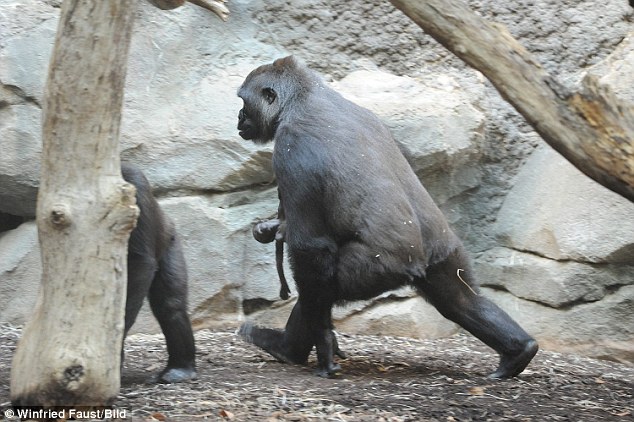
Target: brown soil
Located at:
point(384, 379)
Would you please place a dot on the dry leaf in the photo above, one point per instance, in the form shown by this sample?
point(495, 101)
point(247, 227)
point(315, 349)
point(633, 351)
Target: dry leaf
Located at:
point(476, 391)
point(226, 414)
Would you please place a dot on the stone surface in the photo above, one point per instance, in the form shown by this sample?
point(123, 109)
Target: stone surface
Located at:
point(409, 317)
point(557, 284)
point(20, 272)
point(617, 70)
point(555, 211)
point(601, 329)
point(20, 159)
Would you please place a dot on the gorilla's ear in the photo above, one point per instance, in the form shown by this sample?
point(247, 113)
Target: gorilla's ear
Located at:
point(269, 94)
point(288, 62)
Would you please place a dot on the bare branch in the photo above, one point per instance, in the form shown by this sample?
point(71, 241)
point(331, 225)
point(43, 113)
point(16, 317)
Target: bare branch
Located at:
point(216, 6)
point(592, 129)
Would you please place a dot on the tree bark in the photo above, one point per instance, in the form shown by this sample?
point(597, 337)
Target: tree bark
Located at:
point(69, 354)
point(590, 128)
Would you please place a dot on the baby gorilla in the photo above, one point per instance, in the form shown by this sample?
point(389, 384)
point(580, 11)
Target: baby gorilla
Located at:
point(267, 231)
point(157, 270)
point(358, 221)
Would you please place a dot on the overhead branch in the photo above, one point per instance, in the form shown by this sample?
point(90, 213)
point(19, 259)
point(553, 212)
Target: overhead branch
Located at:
point(591, 128)
point(216, 6)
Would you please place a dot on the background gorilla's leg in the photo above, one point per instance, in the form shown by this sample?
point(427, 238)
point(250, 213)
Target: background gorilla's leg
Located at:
point(141, 270)
point(455, 296)
point(168, 300)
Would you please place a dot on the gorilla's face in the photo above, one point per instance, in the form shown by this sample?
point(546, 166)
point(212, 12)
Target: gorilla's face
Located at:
point(258, 117)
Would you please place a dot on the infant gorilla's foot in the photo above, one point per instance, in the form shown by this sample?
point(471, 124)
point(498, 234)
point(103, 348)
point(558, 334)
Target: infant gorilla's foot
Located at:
point(265, 231)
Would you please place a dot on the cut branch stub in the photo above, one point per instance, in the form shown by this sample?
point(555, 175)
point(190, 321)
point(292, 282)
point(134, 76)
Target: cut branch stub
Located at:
point(60, 216)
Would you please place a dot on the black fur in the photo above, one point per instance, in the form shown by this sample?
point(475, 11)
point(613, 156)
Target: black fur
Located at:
point(265, 232)
point(157, 270)
point(358, 220)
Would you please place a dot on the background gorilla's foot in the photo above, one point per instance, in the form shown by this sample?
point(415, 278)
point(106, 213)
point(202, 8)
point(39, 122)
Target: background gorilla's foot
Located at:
point(172, 375)
point(513, 364)
point(275, 343)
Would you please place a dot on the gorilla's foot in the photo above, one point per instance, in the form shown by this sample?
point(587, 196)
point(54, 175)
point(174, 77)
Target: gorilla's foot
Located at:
point(513, 365)
point(332, 372)
point(172, 375)
point(341, 353)
point(272, 342)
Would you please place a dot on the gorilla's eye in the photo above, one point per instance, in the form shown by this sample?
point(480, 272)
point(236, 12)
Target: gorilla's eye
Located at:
point(269, 94)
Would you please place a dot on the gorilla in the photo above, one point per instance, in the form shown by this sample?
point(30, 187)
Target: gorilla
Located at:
point(157, 270)
point(358, 221)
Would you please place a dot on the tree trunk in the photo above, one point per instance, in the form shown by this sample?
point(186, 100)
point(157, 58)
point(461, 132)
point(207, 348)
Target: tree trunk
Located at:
point(591, 128)
point(69, 353)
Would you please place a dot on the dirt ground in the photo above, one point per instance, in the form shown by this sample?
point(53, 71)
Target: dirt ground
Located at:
point(384, 379)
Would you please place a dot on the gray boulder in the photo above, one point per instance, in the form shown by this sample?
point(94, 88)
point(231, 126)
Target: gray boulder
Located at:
point(557, 284)
point(556, 212)
point(20, 272)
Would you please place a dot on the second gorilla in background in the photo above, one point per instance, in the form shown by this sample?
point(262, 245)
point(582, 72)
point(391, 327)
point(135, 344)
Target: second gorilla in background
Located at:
point(157, 270)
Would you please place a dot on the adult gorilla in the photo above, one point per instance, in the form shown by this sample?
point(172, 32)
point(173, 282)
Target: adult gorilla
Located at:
point(358, 220)
point(157, 270)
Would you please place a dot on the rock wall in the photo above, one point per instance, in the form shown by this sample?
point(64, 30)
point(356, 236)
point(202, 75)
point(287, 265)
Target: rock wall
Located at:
point(552, 247)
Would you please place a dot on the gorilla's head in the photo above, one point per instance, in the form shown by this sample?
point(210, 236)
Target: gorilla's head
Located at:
point(267, 93)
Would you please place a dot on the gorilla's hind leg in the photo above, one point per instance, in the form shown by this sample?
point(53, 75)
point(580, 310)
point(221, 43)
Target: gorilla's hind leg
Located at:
point(293, 345)
point(455, 296)
point(168, 300)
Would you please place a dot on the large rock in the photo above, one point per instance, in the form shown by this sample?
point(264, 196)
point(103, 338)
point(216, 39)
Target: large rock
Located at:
point(20, 272)
point(181, 108)
point(617, 70)
point(601, 329)
point(556, 212)
point(557, 284)
point(28, 30)
point(20, 159)
point(406, 317)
